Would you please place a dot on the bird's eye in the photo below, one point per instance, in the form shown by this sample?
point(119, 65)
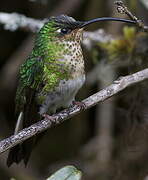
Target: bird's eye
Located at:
point(64, 31)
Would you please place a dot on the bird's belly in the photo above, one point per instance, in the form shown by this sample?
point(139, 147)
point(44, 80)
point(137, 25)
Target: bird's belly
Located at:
point(62, 96)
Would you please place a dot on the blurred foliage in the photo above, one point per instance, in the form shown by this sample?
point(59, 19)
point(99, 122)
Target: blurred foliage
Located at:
point(133, 4)
point(131, 48)
point(121, 48)
point(145, 3)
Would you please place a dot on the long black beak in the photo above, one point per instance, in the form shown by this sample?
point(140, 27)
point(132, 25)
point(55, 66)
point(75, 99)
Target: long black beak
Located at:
point(106, 19)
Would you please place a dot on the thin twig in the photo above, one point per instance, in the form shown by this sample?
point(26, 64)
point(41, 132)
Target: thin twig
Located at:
point(122, 9)
point(60, 117)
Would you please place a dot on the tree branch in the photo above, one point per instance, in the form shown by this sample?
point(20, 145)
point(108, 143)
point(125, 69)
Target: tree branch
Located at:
point(13, 21)
point(60, 117)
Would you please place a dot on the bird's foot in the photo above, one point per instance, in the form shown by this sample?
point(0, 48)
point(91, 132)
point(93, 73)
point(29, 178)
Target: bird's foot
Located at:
point(82, 105)
point(47, 116)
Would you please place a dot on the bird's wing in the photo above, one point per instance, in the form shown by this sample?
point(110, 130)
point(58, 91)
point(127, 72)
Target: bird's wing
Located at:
point(26, 110)
point(30, 79)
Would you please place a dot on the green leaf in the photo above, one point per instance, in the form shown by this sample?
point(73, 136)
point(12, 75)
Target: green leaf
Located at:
point(66, 173)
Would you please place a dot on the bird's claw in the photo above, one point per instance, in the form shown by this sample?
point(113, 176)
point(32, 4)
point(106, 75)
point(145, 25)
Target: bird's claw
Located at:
point(47, 116)
point(82, 105)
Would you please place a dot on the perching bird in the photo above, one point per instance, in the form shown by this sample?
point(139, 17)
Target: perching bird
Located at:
point(51, 76)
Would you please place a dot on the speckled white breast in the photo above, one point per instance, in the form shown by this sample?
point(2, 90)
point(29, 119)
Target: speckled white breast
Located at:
point(65, 93)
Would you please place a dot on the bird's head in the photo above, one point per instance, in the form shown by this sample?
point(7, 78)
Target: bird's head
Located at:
point(67, 28)
point(63, 34)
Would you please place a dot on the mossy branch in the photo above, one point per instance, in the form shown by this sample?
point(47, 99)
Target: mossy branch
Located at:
point(60, 117)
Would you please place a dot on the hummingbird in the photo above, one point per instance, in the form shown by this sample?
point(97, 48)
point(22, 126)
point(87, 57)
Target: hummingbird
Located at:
point(51, 76)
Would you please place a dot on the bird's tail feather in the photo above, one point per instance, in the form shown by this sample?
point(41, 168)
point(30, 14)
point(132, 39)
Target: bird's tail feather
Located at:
point(23, 150)
point(16, 153)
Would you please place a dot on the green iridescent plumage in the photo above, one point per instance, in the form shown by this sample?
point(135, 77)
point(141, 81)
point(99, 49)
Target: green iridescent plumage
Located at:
point(42, 71)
